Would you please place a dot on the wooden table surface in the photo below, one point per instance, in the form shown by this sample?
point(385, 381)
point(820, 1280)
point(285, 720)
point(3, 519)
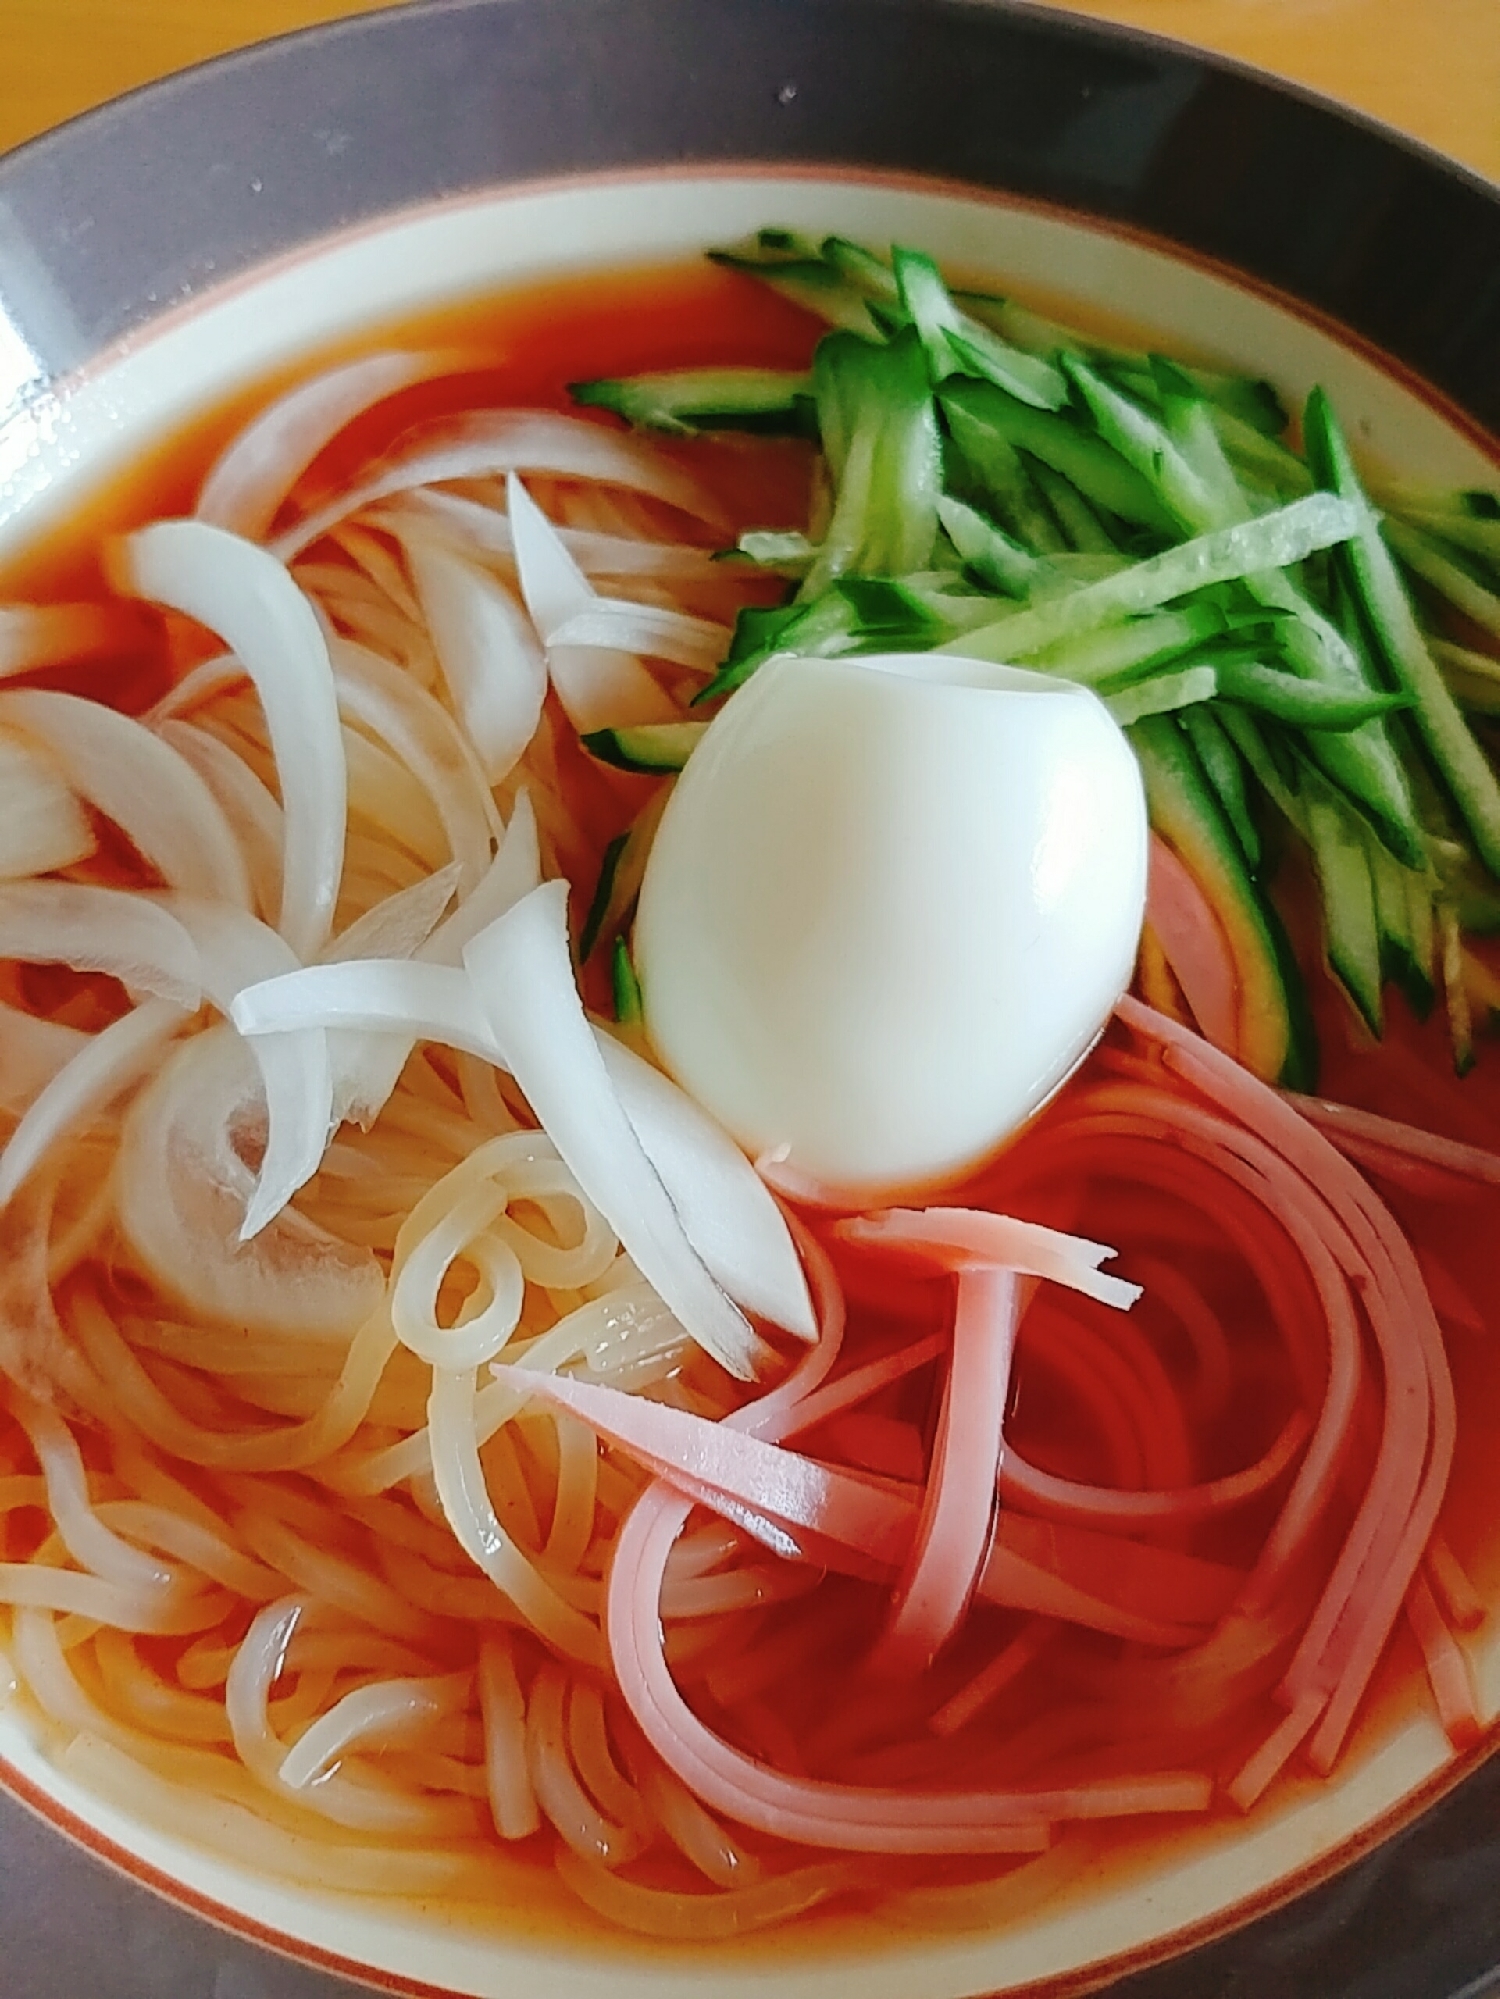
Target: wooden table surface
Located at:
point(1431, 67)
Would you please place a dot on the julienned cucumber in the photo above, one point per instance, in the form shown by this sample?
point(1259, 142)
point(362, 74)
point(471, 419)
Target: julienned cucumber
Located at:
point(650, 746)
point(687, 400)
point(1377, 584)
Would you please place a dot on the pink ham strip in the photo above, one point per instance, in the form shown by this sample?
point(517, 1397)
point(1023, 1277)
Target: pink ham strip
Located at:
point(953, 1528)
point(1343, 1121)
point(1008, 1664)
point(1358, 1610)
point(1278, 1749)
point(1193, 942)
point(1461, 1602)
point(1447, 1669)
point(952, 1236)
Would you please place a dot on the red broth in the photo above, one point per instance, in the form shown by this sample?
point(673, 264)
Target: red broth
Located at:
point(1066, 1710)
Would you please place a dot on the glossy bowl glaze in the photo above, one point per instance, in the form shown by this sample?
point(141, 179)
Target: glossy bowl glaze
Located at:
point(166, 252)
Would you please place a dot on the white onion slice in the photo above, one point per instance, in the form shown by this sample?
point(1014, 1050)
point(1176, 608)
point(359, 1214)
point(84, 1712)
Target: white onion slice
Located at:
point(522, 972)
point(182, 1190)
point(487, 651)
point(42, 825)
point(140, 782)
point(257, 469)
point(431, 513)
point(699, 643)
point(244, 595)
point(254, 816)
point(486, 444)
point(399, 926)
point(379, 698)
point(198, 686)
point(724, 1206)
point(599, 687)
point(32, 1051)
point(108, 1063)
point(108, 930)
point(235, 950)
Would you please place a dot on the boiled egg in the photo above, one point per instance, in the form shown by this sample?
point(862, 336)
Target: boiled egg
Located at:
point(890, 906)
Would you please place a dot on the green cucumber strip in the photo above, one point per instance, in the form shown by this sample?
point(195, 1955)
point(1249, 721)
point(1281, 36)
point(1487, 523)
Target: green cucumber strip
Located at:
point(1472, 677)
point(1425, 558)
point(1257, 456)
point(890, 474)
point(1377, 583)
point(621, 872)
point(1031, 331)
point(1138, 645)
point(1465, 520)
point(1277, 1040)
point(996, 468)
point(807, 281)
point(649, 746)
point(1351, 937)
point(1270, 541)
point(775, 401)
point(777, 548)
point(978, 414)
point(603, 896)
point(1143, 442)
point(955, 344)
point(1081, 527)
point(859, 614)
point(1245, 399)
point(861, 269)
point(1224, 768)
point(1161, 694)
point(1302, 704)
point(988, 551)
point(1405, 941)
point(625, 987)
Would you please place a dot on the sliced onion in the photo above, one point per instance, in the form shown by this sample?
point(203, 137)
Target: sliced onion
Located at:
point(699, 643)
point(42, 825)
point(99, 1071)
point(488, 653)
point(379, 698)
point(235, 950)
point(483, 444)
point(31, 1053)
point(599, 687)
point(140, 782)
point(430, 512)
point(106, 930)
point(515, 871)
point(399, 926)
point(522, 972)
point(198, 686)
point(182, 1192)
point(724, 1206)
point(254, 816)
point(244, 595)
point(257, 469)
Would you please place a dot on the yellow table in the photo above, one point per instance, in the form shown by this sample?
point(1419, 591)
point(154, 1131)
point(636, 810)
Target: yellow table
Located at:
point(1429, 66)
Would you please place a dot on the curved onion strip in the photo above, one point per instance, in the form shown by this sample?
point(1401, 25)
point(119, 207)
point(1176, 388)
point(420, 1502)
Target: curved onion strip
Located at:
point(182, 1192)
point(488, 653)
point(254, 816)
point(685, 1149)
point(484, 444)
point(428, 511)
point(522, 975)
point(599, 687)
point(107, 1064)
point(100, 930)
point(401, 924)
point(245, 596)
point(236, 949)
point(42, 825)
point(383, 700)
point(200, 685)
point(33, 636)
point(32, 1051)
point(155, 796)
point(699, 643)
point(247, 483)
point(725, 1208)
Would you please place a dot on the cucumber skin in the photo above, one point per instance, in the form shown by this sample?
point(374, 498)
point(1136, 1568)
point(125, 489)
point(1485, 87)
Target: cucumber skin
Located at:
point(1282, 1042)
